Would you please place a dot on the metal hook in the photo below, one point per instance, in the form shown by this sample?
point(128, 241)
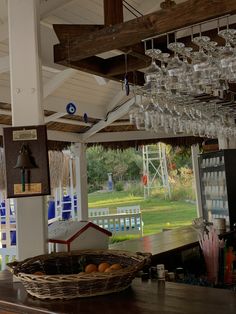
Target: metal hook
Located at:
point(125, 63)
point(68, 48)
point(145, 46)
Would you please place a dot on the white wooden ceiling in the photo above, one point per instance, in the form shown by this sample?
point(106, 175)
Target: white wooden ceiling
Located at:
point(93, 95)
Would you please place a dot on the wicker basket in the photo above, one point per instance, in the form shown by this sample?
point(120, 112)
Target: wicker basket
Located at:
point(63, 281)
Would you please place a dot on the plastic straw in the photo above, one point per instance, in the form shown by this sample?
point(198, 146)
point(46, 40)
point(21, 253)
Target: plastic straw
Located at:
point(209, 243)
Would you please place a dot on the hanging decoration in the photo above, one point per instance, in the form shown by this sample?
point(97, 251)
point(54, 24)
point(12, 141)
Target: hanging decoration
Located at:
point(85, 117)
point(26, 158)
point(126, 81)
point(25, 162)
point(71, 108)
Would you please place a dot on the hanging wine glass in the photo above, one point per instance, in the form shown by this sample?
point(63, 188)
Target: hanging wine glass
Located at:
point(227, 51)
point(175, 66)
point(134, 109)
point(164, 59)
point(149, 111)
point(186, 77)
point(153, 72)
point(200, 58)
point(231, 71)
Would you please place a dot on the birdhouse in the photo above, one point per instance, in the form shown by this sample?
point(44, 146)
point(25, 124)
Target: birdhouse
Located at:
point(71, 235)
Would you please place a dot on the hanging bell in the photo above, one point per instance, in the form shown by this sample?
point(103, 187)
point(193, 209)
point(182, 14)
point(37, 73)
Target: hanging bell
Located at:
point(24, 160)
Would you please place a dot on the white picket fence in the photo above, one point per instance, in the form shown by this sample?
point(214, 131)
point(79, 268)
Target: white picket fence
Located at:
point(7, 255)
point(134, 209)
point(94, 212)
point(127, 220)
point(120, 224)
point(7, 234)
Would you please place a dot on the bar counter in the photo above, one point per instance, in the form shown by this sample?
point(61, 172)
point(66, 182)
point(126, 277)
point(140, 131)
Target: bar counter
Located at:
point(161, 243)
point(143, 297)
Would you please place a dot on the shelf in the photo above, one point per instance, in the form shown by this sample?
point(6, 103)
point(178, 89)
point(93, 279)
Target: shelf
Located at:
point(224, 212)
point(213, 168)
point(217, 171)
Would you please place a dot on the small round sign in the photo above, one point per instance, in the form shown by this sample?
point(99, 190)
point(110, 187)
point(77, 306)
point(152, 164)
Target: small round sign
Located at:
point(71, 108)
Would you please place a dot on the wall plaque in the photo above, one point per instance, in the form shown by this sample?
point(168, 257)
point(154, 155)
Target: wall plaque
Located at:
point(26, 155)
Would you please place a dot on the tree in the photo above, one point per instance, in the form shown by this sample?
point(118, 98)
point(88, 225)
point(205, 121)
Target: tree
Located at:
point(124, 165)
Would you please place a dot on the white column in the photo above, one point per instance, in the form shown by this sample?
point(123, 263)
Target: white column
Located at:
point(79, 151)
point(195, 163)
point(26, 101)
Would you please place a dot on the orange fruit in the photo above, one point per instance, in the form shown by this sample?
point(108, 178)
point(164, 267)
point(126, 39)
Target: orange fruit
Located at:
point(39, 273)
point(91, 268)
point(116, 266)
point(103, 266)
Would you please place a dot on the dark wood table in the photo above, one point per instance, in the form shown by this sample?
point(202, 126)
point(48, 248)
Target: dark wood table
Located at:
point(160, 243)
point(140, 298)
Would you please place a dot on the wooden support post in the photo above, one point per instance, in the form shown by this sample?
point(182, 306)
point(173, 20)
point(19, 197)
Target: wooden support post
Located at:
point(79, 152)
point(195, 152)
point(113, 12)
point(26, 102)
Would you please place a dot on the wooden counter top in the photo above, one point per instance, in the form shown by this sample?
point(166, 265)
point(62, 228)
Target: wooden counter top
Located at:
point(140, 298)
point(175, 239)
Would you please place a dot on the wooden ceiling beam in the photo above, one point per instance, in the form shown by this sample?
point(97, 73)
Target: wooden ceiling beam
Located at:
point(90, 65)
point(156, 23)
point(66, 32)
point(111, 68)
point(114, 68)
point(116, 65)
point(93, 65)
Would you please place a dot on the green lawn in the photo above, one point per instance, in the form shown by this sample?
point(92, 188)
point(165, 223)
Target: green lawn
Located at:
point(156, 214)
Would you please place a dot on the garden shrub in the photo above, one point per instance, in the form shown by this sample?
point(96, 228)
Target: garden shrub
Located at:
point(119, 186)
